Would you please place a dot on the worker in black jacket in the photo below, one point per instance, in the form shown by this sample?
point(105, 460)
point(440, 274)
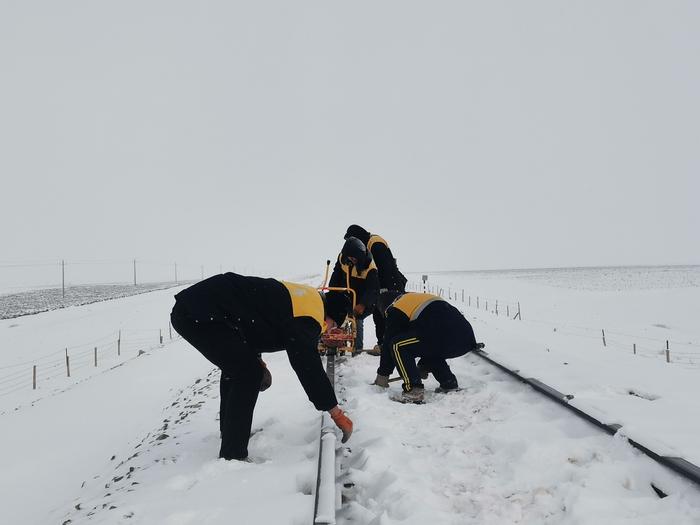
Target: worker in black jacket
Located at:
point(356, 262)
point(232, 318)
point(426, 326)
point(390, 278)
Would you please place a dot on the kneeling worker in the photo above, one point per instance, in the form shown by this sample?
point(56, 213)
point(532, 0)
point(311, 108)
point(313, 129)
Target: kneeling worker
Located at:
point(426, 326)
point(232, 318)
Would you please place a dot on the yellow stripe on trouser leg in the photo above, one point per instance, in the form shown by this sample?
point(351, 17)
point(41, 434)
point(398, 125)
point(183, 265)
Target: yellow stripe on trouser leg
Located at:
point(399, 362)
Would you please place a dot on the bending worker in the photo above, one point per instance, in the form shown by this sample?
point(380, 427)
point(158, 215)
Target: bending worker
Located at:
point(232, 318)
point(426, 326)
point(390, 278)
point(356, 261)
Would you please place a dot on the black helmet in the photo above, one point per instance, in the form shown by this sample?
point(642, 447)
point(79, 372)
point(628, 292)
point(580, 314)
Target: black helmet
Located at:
point(336, 306)
point(356, 249)
point(357, 231)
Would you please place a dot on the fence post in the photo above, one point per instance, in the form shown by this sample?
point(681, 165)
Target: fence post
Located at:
point(170, 330)
point(496, 307)
point(519, 316)
point(634, 348)
point(67, 364)
point(34, 378)
point(160, 335)
point(119, 343)
point(477, 302)
point(487, 305)
point(668, 353)
point(95, 356)
point(463, 295)
point(604, 344)
point(508, 311)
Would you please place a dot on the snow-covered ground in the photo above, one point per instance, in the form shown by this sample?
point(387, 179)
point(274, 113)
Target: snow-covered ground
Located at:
point(44, 299)
point(494, 453)
point(135, 440)
point(108, 331)
point(560, 342)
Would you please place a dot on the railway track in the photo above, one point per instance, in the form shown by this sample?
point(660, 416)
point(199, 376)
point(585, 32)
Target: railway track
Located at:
point(327, 497)
point(327, 500)
point(679, 465)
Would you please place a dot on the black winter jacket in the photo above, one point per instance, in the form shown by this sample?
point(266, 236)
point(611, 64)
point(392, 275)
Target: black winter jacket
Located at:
point(364, 283)
point(436, 322)
point(262, 310)
point(390, 278)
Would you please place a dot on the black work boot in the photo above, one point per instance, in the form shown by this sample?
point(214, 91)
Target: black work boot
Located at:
point(382, 381)
point(447, 386)
point(414, 395)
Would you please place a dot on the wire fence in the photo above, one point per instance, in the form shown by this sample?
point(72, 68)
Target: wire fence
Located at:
point(498, 307)
point(82, 360)
point(668, 350)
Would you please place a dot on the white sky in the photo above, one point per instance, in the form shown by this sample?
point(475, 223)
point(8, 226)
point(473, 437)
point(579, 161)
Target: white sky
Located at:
point(470, 134)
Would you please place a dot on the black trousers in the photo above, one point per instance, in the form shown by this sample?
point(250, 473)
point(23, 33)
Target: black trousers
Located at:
point(378, 317)
point(403, 350)
point(379, 323)
point(360, 335)
point(241, 373)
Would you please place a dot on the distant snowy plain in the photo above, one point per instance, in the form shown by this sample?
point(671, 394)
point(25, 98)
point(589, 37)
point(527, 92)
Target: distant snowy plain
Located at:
point(134, 440)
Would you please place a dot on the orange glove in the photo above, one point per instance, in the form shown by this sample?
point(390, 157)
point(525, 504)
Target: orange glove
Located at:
point(342, 421)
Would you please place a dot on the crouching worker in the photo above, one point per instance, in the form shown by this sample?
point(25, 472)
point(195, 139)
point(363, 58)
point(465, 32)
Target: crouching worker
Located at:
point(232, 318)
point(426, 326)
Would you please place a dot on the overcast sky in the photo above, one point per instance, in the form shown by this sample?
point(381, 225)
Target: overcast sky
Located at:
point(471, 135)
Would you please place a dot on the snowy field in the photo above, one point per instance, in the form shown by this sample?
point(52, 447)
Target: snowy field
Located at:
point(494, 453)
point(560, 341)
point(45, 299)
point(135, 439)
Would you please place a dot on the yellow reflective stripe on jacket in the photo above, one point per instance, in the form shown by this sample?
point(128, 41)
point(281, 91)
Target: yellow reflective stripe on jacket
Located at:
point(399, 361)
point(412, 304)
point(355, 274)
point(373, 239)
point(306, 302)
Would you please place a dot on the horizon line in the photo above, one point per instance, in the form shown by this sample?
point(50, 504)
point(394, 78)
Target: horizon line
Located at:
point(605, 267)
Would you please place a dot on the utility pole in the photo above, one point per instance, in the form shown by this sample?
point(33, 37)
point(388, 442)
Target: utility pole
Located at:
point(134, 272)
point(175, 273)
point(63, 277)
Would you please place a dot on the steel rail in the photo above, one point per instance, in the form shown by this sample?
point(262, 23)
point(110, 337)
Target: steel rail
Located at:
point(325, 500)
point(679, 465)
